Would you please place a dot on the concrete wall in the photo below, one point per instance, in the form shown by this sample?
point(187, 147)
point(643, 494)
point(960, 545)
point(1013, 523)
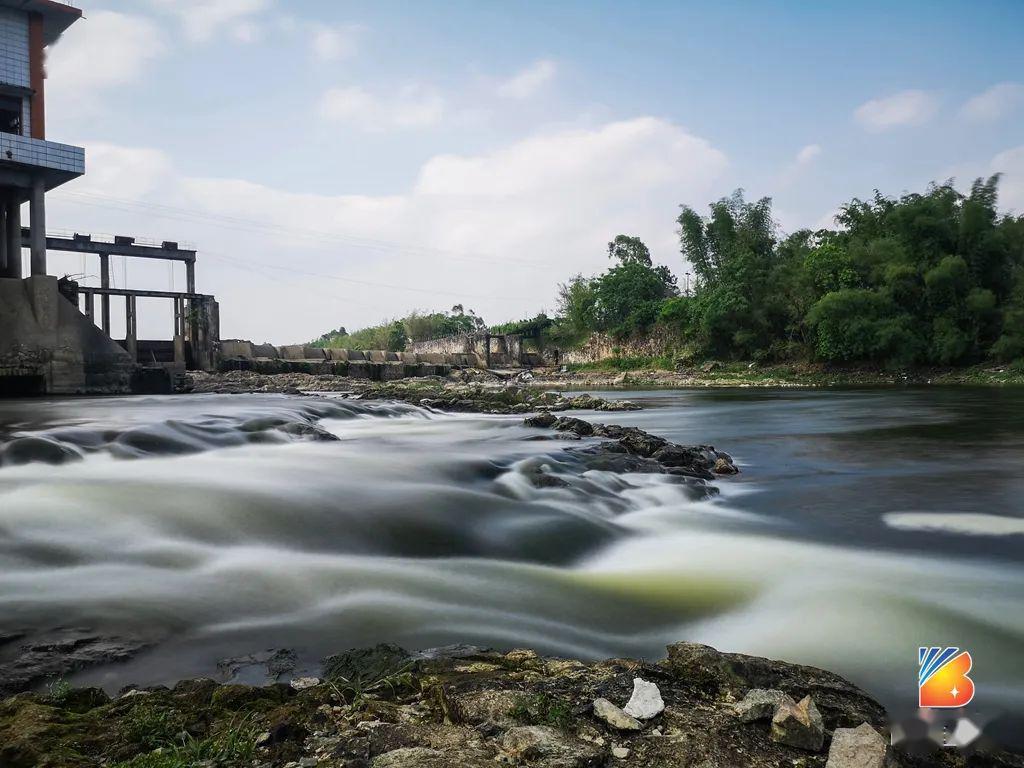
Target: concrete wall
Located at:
point(236, 354)
point(44, 335)
point(601, 346)
point(503, 350)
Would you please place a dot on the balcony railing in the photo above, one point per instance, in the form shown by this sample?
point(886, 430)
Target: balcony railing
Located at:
point(40, 153)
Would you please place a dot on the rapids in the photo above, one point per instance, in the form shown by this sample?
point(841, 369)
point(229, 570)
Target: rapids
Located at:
point(217, 526)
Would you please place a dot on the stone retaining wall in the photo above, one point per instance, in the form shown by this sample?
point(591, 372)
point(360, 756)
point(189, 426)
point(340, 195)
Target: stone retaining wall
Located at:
point(601, 346)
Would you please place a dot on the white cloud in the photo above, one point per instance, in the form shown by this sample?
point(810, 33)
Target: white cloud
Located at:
point(807, 154)
point(333, 43)
point(496, 231)
point(529, 81)
point(106, 49)
point(412, 106)
point(202, 20)
point(1011, 190)
point(904, 108)
point(993, 103)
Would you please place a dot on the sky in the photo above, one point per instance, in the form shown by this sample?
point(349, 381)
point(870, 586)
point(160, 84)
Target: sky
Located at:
point(338, 163)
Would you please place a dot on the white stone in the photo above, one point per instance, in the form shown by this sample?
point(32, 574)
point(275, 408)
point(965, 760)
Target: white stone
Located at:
point(302, 683)
point(646, 701)
point(620, 752)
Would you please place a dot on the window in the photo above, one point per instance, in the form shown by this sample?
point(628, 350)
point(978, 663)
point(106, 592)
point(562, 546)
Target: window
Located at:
point(10, 114)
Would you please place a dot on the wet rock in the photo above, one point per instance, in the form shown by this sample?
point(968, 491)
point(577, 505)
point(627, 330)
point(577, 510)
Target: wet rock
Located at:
point(860, 747)
point(34, 449)
point(641, 443)
point(840, 701)
point(646, 701)
point(53, 655)
point(543, 420)
point(724, 466)
point(760, 704)
point(575, 426)
point(799, 725)
point(615, 717)
point(270, 665)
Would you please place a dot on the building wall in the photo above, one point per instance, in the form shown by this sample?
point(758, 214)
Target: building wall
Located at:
point(14, 48)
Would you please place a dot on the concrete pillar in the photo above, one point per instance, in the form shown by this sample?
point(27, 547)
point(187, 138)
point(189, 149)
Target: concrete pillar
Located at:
point(131, 331)
point(38, 236)
point(3, 240)
point(89, 310)
point(12, 236)
point(190, 276)
point(105, 300)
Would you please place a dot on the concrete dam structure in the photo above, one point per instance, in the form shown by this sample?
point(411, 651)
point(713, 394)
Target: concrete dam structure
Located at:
point(49, 339)
point(437, 357)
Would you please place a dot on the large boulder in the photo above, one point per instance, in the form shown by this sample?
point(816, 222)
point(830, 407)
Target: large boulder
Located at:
point(799, 725)
point(760, 704)
point(860, 747)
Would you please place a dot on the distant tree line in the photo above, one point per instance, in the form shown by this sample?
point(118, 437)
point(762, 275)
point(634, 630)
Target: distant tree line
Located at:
point(932, 278)
point(395, 335)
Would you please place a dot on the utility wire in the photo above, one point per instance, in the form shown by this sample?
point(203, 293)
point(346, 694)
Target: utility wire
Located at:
point(249, 225)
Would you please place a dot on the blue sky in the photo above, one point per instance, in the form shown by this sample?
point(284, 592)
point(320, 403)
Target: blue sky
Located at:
point(338, 163)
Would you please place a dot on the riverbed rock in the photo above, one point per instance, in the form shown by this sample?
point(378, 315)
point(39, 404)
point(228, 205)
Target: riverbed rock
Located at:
point(760, 704)
point(554, 747)
point(466, 708)
point(615, 717)
point(423, 757)
point(860, 747)
point(646, 701)
point(544, 420)
point(52, 655)
point(724, 466)
point(799, 725)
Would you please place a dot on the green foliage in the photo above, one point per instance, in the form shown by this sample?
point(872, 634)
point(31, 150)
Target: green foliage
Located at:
point(233, 743)
point(543, 709)
point(628, 297)
point(533, 327)
point(58, 690)
point(629, 250)
point(394, 335)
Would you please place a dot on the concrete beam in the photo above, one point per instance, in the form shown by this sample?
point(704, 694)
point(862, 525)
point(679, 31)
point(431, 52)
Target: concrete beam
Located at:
point(70, 245)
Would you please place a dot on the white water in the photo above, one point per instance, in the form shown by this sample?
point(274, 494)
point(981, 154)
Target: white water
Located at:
point(422, 529)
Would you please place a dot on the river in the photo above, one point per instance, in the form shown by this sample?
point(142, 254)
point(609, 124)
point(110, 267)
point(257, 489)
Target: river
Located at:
point(864, 524)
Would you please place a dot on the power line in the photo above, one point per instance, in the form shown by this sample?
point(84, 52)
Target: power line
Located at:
point(249, 225)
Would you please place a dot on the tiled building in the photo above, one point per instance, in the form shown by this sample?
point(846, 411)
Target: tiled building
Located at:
point(30, 165)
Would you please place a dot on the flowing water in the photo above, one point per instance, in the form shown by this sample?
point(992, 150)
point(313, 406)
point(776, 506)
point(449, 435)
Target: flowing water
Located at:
point(864, 524)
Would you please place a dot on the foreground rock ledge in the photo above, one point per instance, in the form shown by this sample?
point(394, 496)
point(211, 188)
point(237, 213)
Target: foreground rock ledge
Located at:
point(450, 708)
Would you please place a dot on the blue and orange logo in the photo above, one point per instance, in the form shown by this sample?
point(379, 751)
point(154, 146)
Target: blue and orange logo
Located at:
point(942, 678)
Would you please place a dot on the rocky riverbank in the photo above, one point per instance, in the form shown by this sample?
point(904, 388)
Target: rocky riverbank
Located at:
point(465, 707)
point(475, 392)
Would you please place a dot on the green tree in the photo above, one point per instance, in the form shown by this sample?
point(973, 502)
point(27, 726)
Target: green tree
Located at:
point(627, 250)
